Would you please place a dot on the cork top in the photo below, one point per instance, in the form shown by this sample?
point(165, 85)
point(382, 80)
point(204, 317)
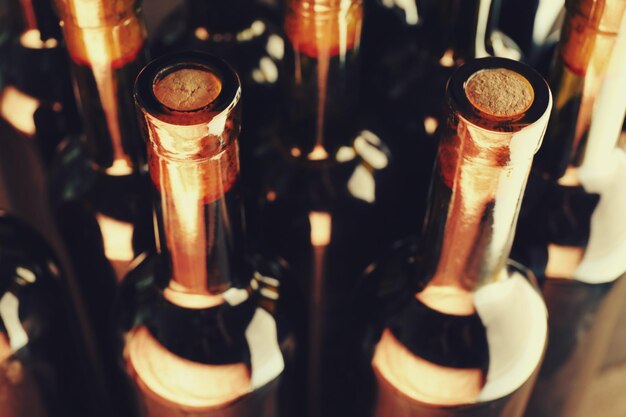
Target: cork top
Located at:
point(499, 92)
point(187, 89)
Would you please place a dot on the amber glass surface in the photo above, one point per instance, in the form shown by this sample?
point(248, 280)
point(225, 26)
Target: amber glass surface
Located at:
point(432, 349)
point(105, 41)
point(196, 338)
point(99, 173)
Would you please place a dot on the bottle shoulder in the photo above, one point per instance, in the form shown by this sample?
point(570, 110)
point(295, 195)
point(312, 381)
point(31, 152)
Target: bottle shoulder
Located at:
point(236, 340)
point(508, 319)
point(553, 215)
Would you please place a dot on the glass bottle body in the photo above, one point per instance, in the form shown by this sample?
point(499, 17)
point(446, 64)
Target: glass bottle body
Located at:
point(218, 361)
point(98, 176)
point(42, 367)
point(324, 235)
point(451, 357)
point(321, 201)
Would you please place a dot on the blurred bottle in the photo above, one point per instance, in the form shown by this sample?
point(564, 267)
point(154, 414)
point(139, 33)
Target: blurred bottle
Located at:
point(577, 243)
point(50, 363)
point(324, 194)
point(457, 330)
point(587, 39)
point(102, 195)
point(37, 99)
point(195, 338)
point(42, 372)
point(100, 189)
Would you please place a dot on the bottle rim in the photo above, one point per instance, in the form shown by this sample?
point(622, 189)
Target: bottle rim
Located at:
point(460, 103)
point(225, 101)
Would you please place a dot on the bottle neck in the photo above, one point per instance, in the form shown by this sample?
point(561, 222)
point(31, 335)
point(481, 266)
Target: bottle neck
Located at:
point(218, 16)
point(192, 116)
point(587, 40)
point(200, 228)
point(106, 44)
point(481, 172)
point(456, 30)
point(323, 70)
point(475, 201)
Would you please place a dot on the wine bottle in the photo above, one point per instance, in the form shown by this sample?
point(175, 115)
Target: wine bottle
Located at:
point(100, 192)
point(324, 192)
point(42, 369)
point(578, 245)
point(462, 331)
point(587, 38)
point(195, 338)
point(102, 195)
point(37, 99)
point(24, 192)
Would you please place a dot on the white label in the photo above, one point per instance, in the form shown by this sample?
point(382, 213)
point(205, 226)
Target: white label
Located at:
point(605, 257)
point(515, 317)
point(265, 356)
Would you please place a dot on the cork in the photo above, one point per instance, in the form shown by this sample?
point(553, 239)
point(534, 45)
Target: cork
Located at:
point(499, 92)
point(187, 89)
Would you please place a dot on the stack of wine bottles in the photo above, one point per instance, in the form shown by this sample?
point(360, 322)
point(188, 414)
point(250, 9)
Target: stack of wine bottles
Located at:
point(309, 208)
